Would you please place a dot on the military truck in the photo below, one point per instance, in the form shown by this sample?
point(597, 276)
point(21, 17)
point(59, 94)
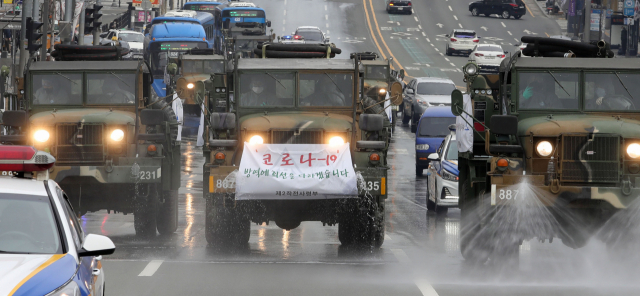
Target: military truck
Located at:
point(285, 108)
point(548, 148)
point(378, 78)
point(114, 148)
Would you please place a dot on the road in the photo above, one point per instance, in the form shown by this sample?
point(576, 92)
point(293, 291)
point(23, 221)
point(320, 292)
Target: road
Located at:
point(420, 255)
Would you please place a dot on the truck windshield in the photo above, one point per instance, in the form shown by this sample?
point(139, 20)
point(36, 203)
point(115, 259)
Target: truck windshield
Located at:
point(548, 90)
point(435, 126)
point(612, 91)
point(326, 89)
point(57, 89)
point(206, 67)
point(377, 72)
point(27, 225)
point(111, 88)
point(267, 89)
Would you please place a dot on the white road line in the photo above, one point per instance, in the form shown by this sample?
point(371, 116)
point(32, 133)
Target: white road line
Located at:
point(459, 24)
point(284, 21)
point(398, 23)
point(447, 59)
point(509, 33)
point(387, 238)
point(516, 39)
point(326, 17)
point(416, 18)
point(441, 54)
point(452, 64)
point(400, 255)
point(152, 267)
point(420, 26)
point(285, 12)
point(428, 40)
point(412, 11)
point(327, 32)
point(432, 44)
point(424, 34)
point(325, 6)
point(327, 25)
point(285, 2)
point(437, 49)
point(455, 17)
point(425, 287)
point(450, 8)
point(503, 24)
point(282, 29)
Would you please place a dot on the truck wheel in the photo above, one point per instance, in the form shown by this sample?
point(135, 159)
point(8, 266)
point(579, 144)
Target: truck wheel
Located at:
point(144, 212)
point(225, 226)
point(167, 217)
point(370, 106)
point(363, 225)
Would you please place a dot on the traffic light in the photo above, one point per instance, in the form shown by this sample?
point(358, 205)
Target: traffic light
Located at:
point(32, 35)
point(97, 15)
point(88, 20)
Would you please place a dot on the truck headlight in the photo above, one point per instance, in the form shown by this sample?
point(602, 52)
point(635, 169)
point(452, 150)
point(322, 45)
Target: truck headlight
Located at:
point(422, 146)
point(190, 85)
point(43, 136)
point(335, 141)
point(117, 135)
point(633, 150)
point(382, 91)
point(545, 148)
point(256, 140)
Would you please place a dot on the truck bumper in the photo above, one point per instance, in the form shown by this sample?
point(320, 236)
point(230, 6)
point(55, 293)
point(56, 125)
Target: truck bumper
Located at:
point(128, 170)
point(549, 195)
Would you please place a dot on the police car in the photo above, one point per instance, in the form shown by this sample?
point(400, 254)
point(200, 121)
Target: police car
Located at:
point(442, 175)
point(43, 249)
point(291, 39)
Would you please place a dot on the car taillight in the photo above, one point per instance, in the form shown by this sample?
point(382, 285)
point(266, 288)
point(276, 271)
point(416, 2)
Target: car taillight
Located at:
point(454, 39)
point(501, 55)
point(409, 4)
point(513, 5)
point(296, 37)
point(476, 40)
point(479, 54)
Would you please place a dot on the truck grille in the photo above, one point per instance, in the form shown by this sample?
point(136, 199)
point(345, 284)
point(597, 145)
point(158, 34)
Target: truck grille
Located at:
point(595, 160)
point(80, 145)
point(303, 137)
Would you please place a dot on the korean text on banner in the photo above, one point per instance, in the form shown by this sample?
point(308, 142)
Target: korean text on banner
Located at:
point(301, 171)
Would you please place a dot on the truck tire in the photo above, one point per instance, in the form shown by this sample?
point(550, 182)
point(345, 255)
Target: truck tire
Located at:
point(225, 226)
point(167, 217)
point(370, 106)
point(363, 226)
point(144, 212)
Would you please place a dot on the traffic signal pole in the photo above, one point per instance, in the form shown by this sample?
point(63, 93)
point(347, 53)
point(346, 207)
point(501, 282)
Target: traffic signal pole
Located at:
point(45, 29)
point(96, 23)
point(24, 52)
point(81, 26)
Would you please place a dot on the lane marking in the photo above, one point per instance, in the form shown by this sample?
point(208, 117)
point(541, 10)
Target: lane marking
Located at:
point(530, 12)
point(396, 22)
point(455, 17)
point(428, 40)
point(285, 12)
point(546, 34)
point(416, 18)
point(509, 33)
point(379, 33)
point(425, 287)
point(284, 21)
point(447, 59)
point(452, 64)
point(420, 26)
point(400, 255)
point(516, 39)
point(325, 6)
point(503, 24)
point(424, 34)
point(450, 8)
point(432, 44)
point(327, 25)
point(386, 237)
point(441, 54)
point(327, 32)
point(436, 49)
point(151, 268)
point(459, 24)
point(326, 17)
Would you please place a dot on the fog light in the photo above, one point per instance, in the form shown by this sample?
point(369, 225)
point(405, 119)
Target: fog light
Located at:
point(374, 158)
point(41, 136)
point(256, 140)
point(220, 157)
point(190, 85)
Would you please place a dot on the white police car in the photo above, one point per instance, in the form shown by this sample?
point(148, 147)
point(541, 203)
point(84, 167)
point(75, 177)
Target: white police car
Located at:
point(442, 175)
point(43, 249)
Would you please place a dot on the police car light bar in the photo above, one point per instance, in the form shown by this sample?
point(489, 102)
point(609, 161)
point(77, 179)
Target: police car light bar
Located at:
point(24, 159)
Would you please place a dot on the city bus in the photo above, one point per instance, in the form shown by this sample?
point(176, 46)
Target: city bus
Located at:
point(238, 21)
point(174, 37)
point(204, 19)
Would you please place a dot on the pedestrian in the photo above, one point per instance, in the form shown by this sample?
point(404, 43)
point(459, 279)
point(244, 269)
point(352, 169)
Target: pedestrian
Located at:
point(6, 40)
point(623, 41)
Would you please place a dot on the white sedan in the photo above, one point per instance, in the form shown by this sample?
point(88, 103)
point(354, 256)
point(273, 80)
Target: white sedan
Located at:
point(488, 57)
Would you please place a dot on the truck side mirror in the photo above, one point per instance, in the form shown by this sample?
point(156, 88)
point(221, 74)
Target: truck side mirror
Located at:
point(504, 124)
point(401, 74)
point(457, 102)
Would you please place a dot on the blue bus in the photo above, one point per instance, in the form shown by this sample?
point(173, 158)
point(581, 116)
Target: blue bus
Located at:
point(204, 6)
point(165, 37)
point(206, 20)
point(240, 21)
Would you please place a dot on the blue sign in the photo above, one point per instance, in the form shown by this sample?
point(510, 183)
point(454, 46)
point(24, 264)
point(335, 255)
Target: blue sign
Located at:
point(628, 12)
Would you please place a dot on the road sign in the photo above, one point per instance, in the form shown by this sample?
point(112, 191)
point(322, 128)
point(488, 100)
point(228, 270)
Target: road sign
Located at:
point(629, 6)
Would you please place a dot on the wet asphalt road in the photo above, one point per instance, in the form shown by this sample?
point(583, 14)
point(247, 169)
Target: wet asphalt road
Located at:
point(420, 255)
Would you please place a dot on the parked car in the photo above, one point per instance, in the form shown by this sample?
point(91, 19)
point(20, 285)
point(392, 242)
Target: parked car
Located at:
point(422, 93)
point(504, 8)
point(311, 34)
point(399, 6)
point(432, 129)
point(442, 175)
point(461, 41)
point(488, 57)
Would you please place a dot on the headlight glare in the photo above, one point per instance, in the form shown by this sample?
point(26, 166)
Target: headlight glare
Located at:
point(117, 135)
point(190, 85)
point(633, 150)
point(256, 140)
point(335, 141)
point(544, 148)
point(41, 136)
point(382, 91)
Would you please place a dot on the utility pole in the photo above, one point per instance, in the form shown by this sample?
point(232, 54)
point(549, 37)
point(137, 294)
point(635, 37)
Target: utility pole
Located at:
point(586, 35)
point(97, 28)
point(24, 51)
point(45, 29)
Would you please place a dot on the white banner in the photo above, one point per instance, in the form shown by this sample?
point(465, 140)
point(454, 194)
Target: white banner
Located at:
point(295, 171)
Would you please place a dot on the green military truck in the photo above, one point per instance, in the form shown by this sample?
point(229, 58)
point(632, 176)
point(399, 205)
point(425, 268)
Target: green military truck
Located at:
point(295, 145)
point(549, 147)
point(195, 66)
point(114, 148)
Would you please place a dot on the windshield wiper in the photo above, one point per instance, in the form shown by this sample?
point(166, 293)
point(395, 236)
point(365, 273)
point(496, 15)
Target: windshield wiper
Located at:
point(12, 252)
point(65, 77)
point(276, 79)
point(625, 87)
point(114, 74)
point(558, 82)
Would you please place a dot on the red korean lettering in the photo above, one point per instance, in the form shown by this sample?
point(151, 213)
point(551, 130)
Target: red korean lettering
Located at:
point(286, 159)
point(302, 161)
point(267, 159)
